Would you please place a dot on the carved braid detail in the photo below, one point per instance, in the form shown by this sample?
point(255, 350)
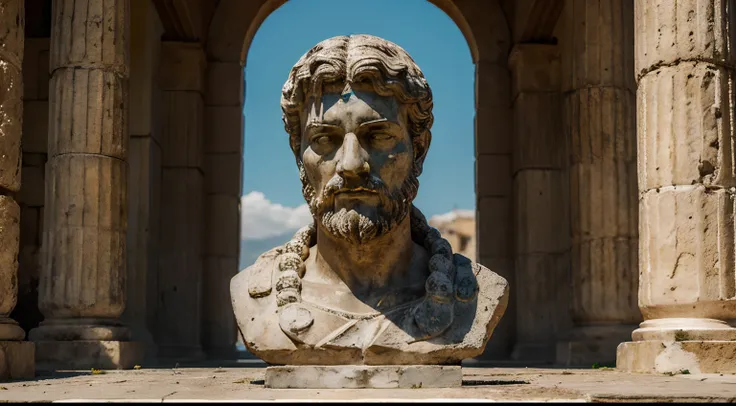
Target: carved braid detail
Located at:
point(433, 315)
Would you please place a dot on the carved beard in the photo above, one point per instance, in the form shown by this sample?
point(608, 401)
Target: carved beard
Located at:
point(353, 226)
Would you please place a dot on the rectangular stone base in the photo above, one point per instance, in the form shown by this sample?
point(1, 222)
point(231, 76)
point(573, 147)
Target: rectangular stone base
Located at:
point(363, 376)
point(18, 360)
point(53, 355)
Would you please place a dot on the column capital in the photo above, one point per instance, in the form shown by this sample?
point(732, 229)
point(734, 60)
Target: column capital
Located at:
point(182, 66)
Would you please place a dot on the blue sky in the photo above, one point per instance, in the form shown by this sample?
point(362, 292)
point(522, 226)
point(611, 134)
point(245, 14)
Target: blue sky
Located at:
point(273, 200)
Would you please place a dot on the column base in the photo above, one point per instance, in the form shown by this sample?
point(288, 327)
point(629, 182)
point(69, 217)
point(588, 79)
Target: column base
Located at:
point(588, 345)
point(676, 356)
point(673, 345)
point(10, 330)
point(17, 360)
point(81, 329)
point(53, 355)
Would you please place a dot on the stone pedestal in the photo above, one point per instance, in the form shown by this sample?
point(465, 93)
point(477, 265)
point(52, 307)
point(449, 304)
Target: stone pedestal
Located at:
point(364, 376)
point(83, 276)
point(687, 282)
point(16, 357)
point(599, 115)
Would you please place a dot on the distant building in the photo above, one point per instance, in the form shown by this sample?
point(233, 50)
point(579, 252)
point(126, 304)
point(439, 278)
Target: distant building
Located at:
point(458, 228)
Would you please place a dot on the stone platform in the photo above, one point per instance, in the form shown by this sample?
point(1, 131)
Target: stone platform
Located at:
point(89, 354)
point(244, 382)
point(17, 360)
point(363, 377)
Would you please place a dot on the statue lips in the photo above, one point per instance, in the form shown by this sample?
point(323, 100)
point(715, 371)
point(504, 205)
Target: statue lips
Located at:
point(360, 194)
point(357, 191)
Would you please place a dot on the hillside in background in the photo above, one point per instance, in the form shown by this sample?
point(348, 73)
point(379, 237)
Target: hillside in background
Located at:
point(251, 249)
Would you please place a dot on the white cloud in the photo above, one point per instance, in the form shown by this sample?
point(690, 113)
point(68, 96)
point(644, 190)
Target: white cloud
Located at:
point(260, 218)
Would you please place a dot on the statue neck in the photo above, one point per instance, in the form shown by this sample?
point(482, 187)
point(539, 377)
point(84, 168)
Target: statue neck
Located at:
point(367, 268)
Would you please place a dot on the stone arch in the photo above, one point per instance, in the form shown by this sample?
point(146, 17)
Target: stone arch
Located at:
point(487, 32)
point(235, 23)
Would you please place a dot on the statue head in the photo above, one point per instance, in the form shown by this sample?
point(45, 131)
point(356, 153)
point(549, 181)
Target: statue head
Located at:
point(358, 111)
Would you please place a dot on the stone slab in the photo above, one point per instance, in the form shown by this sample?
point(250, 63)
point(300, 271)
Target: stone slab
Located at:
point(223, 381)
point(51, 355)
point(695, 357)
point(363, 376)
point(17, 360)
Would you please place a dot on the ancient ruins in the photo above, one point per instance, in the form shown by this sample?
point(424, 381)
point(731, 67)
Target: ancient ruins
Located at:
point(605, 180)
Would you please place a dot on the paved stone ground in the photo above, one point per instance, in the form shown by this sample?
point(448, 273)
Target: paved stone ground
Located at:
point(244, 382)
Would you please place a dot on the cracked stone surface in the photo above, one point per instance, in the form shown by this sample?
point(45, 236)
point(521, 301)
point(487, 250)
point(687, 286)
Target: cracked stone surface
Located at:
point(244, 382)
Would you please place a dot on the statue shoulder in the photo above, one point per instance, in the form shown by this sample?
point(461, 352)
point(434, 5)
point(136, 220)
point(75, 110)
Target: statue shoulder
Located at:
point(256, 309)
point(486, 281)
point(256, 280)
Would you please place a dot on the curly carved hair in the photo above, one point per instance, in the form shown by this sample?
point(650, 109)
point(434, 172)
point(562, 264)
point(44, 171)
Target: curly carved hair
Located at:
point(358, 59)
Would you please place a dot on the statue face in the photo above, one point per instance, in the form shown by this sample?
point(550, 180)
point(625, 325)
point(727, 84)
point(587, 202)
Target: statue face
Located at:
point(358, 157)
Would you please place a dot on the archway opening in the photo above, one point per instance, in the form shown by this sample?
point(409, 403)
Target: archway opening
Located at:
point(272, 206)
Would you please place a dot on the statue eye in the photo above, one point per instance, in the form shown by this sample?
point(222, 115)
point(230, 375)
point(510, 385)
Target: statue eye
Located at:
point(321, 140)
point(381, 136)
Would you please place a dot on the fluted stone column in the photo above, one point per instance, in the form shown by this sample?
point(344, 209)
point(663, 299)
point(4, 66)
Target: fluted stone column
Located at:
point(16, 355)
point(599, 112)
point(82, 286)
point(685, 107)
point(540, 203)
point(179, 285)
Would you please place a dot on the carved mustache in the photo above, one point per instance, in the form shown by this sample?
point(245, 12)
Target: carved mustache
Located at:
point(337, 184)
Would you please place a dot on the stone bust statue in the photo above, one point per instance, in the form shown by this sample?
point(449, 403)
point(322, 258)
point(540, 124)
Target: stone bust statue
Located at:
point(369, 282)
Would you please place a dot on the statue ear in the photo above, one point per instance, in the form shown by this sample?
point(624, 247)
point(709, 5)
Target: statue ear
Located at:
point(421, 146)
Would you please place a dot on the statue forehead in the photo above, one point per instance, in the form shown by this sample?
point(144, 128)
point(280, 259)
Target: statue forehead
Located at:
point(332, 105)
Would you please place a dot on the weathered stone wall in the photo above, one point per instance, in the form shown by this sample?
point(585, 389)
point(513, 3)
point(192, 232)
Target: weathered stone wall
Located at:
point(181, 241)
point(542, 240)
point(144, 173)
point(223, 162)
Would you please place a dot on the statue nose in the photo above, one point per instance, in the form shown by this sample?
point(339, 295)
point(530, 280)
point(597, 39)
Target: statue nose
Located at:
point(353, 162)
